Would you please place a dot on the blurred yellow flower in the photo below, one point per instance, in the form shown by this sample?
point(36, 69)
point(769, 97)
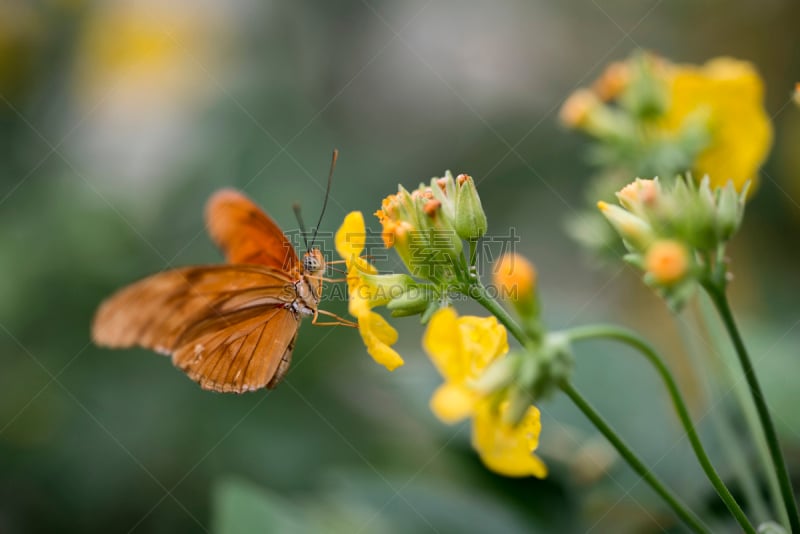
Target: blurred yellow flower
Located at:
point(378, 335)
point(461, 348)
point(148, 52)
point(506, 449)
point(730, 93)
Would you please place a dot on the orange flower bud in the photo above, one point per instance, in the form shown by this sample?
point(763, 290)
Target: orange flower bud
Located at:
point(515, 277)
point(613, 81)
point(577, 108)
point(667, 261)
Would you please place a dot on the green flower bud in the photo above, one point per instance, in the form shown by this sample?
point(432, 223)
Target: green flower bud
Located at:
point(444, 190)
point(519, 400)
point(499, 375)
point(636, 232)
point(645, 95)
point(383, 288)
point(413, 301)
point(730, 210)
point(470, 219)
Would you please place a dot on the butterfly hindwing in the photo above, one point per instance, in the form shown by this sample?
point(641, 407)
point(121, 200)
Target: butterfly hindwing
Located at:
point(227, 326)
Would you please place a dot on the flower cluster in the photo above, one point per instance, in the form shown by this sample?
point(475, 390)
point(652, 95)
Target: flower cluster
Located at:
point(484, 381)
point(647, 115)
point(677, 234)
point(651, 117)
point(427, 225)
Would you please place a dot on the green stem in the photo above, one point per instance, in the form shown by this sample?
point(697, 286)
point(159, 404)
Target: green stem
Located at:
point(625, 451)
point(746, 405)
point(625, 336)
point(708, 370)
point(479, 293)
point(720, 300)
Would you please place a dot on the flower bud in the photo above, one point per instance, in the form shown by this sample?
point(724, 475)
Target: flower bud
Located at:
point(515, 280)
point(645, 95)
point(633, 229)
point(578, 107)
point(730, 210)
point(499, 375)
point(667, 261)
point(470, 219)
point(640, 195)
point(445, 191)
point(613, 81)
point(442, 239)
point(413, 301)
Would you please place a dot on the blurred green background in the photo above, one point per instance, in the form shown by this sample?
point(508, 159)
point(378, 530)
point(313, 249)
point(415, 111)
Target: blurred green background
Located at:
point(118, 119)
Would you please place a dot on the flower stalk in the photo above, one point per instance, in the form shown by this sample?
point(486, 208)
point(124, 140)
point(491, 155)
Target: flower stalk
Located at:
point(715, 287)
point(629, 338)
point(688, 517)
point(478, 292)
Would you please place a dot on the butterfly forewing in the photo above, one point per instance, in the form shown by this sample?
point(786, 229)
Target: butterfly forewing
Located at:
point(247, 235)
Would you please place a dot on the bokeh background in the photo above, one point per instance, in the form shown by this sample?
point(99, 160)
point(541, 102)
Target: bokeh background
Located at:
point(118, 119)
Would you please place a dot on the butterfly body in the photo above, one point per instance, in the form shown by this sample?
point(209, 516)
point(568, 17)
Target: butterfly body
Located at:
point(230, 327)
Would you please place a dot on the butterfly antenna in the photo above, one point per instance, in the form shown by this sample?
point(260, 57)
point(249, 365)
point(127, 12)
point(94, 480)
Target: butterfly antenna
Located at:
point(296, 209)
point(327, 194)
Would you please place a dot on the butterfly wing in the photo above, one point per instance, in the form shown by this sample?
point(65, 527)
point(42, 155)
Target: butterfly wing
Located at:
point(248, 235)
point(231, 328)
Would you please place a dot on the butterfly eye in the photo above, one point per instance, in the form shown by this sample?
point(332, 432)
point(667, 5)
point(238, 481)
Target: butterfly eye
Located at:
point(310, 263)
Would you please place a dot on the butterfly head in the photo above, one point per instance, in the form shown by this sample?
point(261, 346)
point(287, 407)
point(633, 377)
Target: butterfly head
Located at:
point(314, 262)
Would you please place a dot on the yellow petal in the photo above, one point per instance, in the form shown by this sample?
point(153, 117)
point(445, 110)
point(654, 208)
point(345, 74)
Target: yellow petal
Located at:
point(351, 237)
point(378, 335)
point(731, 93)
point(523, 465)
point(483, 340)
point(442, 342)
point(452, 403)
point(505, 449)
point(363, 295)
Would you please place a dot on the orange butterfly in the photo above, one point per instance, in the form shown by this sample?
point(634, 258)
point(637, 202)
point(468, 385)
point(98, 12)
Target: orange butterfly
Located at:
point(230, 327)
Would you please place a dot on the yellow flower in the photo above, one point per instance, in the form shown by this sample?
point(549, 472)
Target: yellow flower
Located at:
point(731, 93)
point(461, 348)
point(506, 449)
point(146, 52)
point(378, 335)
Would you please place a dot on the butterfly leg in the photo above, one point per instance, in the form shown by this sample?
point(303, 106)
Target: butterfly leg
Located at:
point(340, 321)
